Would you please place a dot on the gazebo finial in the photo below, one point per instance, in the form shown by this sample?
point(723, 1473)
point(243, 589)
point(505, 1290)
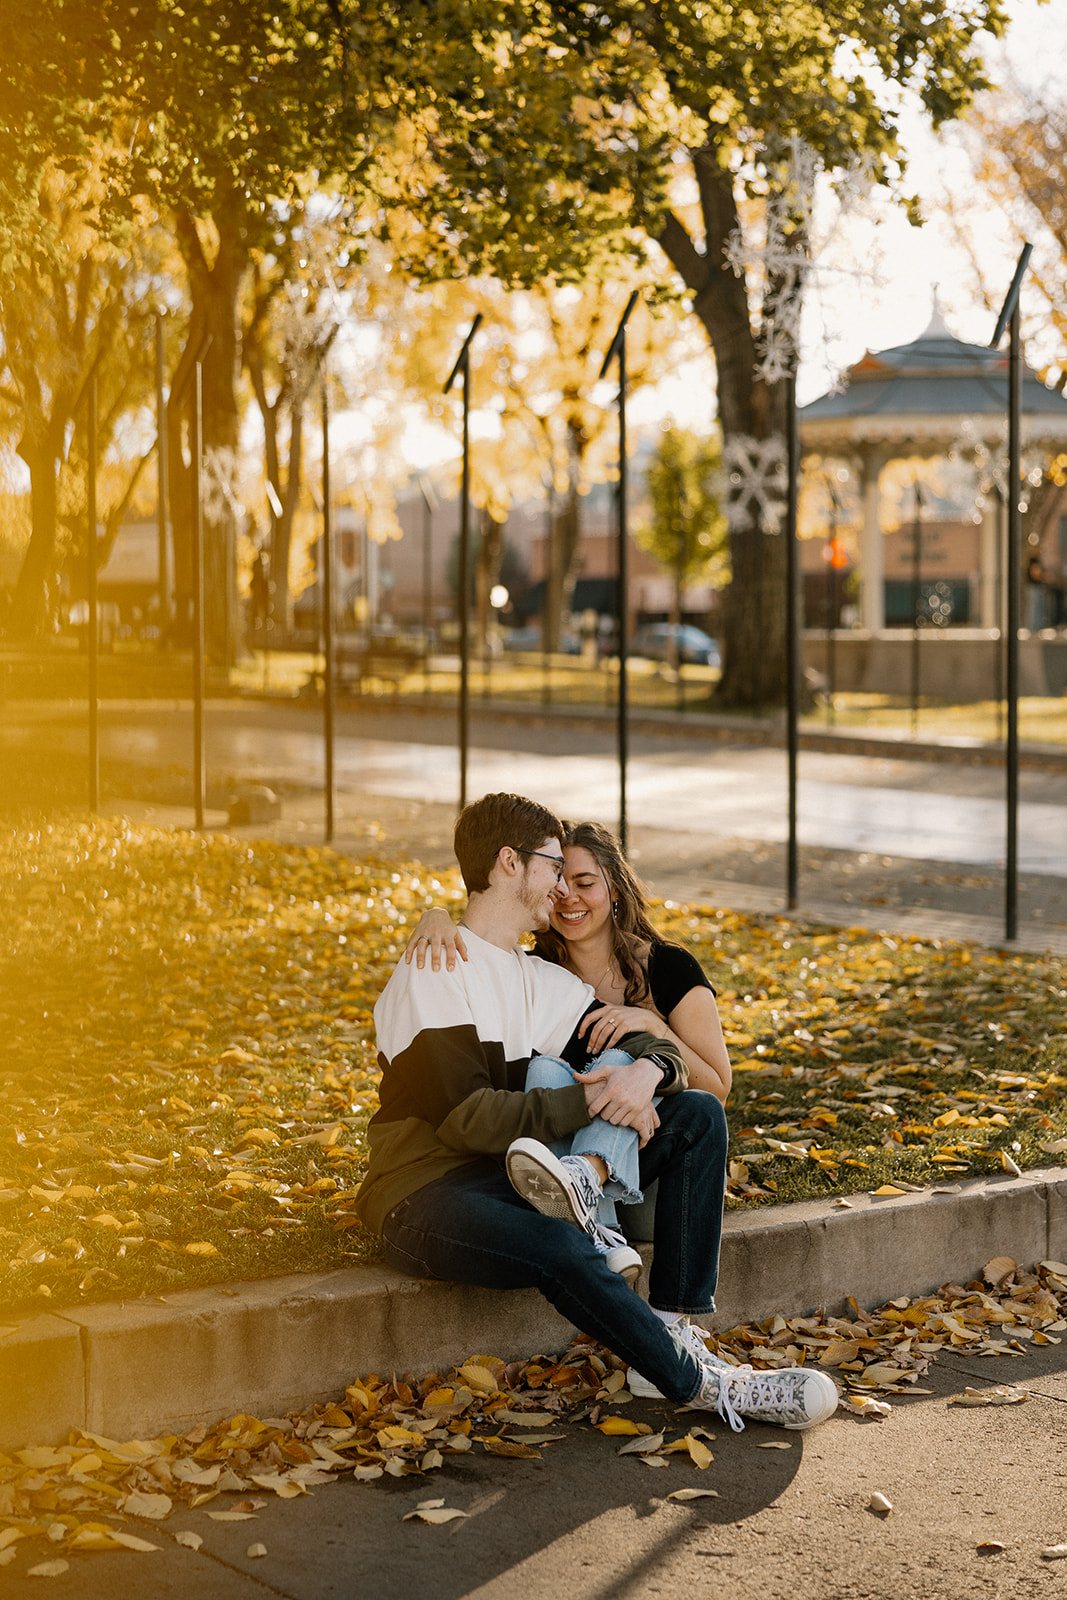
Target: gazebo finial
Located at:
point(937, 328)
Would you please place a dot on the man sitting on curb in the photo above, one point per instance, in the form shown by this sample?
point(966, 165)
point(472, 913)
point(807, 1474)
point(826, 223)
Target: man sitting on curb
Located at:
point(454, 1048)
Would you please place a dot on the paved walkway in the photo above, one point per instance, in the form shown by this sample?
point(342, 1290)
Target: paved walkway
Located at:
point(584, 1522)
point(909, 844)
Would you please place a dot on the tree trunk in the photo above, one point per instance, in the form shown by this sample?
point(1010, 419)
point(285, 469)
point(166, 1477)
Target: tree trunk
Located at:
point(751, 411)
point(566, 538)
point(487, 572)
point(215, 289)
point(31, 612)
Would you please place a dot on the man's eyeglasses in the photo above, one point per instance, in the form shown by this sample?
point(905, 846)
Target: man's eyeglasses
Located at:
point(557, 861)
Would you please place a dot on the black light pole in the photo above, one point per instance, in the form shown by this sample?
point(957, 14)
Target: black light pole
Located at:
point(92, 604)
point(196, 373)
point(998, 667)
point(429, 506)
point(1010, 318)
point(550, 555)
point(163, 478)
point(199, 766)
point(792, 633)
point(916, 604)
point(617, 349)
point(831, 603)
point(463, 364)
point(326, 593)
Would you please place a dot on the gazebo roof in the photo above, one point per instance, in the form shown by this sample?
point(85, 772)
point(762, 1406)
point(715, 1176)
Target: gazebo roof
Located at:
point(923, 391)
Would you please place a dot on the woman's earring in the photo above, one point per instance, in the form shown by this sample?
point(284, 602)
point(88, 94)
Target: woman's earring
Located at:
point(615, 909)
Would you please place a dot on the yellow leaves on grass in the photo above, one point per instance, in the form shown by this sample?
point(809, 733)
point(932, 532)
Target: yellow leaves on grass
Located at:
point(188, 1053)
point(886, 1043)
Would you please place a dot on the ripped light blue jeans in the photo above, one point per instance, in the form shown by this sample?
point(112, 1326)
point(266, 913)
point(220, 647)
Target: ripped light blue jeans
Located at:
point(616, 1146)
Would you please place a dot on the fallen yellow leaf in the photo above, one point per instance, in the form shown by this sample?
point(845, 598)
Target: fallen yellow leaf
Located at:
point(435, 1514)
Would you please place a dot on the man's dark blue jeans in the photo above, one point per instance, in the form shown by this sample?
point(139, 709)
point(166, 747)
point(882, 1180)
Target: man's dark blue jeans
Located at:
point(471, 1227)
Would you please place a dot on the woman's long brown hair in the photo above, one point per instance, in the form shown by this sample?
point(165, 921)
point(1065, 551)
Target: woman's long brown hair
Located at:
point(630, 927)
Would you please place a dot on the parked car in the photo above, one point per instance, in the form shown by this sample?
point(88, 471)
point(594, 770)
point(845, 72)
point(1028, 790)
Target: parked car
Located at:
point(653, 641)
point(524, 638)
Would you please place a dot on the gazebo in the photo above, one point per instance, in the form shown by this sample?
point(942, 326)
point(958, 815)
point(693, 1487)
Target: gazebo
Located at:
point(922, 399)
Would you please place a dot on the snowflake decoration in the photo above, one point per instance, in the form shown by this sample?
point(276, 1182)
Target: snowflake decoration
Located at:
point(787, 257)
point(219, 484)
point(987, 452)
point(754, 477)
point(783, 261)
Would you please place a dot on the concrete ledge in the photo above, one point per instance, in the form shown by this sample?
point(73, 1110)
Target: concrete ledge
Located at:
point(155, 1366)
point(284, 1343)
point(42, 1381)
point(816, 1254)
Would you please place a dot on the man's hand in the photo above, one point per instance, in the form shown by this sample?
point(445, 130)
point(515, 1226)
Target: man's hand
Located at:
point(623, 1095)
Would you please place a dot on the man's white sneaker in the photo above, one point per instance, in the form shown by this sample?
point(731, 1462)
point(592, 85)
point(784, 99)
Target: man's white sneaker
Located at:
point(690, 1337)
point(623, 1259)
point(790, 1397)
point(557, 1186)
point(567, 1187)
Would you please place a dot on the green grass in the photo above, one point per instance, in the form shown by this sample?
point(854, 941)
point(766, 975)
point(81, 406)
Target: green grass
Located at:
point(1041, 720)
point(189, 1067)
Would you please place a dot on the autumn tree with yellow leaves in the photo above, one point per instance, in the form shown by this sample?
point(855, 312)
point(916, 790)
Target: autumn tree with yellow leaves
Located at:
point(81, 310)
point(550, 431)
point(686, 529)
point(535, 136)
point(713, 123)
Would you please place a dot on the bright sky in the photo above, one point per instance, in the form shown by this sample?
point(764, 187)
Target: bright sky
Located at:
point(891, 303)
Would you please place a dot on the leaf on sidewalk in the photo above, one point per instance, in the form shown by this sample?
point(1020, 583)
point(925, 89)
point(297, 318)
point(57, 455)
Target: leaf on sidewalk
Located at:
point(641, 1447)
point(1004, 1395)
point(436, 1513)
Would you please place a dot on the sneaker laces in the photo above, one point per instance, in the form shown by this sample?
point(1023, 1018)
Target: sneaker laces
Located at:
point(748, 1391)
point(725, 1403)
point(584, 1181)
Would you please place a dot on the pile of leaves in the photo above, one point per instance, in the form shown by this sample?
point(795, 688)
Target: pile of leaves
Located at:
point(188, 1064)
point(82, 1495)
point(75, 1495)
point(1007, 1312)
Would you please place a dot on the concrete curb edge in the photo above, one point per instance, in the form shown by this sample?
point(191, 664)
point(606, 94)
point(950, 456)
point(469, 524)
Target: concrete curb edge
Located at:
point(152, 1366)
